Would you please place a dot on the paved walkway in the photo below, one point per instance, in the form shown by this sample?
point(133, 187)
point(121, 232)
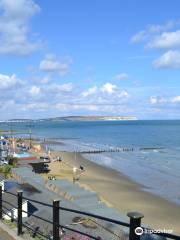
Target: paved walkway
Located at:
point(4, 235)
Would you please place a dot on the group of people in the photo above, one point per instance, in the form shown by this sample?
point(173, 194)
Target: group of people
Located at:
point(76, 172)
point(51, 177)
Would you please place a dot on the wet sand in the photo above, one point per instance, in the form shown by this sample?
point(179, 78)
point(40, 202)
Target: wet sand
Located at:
point(119, 191)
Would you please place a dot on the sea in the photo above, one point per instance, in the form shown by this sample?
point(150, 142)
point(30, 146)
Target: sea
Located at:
point(147, 151)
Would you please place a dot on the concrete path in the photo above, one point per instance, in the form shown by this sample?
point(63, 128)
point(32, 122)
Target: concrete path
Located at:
point(7, 233)
point(4, 235)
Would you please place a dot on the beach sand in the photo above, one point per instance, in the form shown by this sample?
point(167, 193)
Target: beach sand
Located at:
point(120, 192)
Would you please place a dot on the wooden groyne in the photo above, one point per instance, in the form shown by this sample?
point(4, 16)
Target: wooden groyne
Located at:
point(96, 151)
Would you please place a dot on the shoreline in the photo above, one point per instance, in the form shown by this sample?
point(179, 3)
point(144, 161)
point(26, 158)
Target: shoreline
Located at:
point(119, 191)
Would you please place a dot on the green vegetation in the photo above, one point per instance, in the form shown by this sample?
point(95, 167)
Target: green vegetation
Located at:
point(39, 238)
point(36, 237)
point(6, 170)
point(9, 223)
point(12, 161)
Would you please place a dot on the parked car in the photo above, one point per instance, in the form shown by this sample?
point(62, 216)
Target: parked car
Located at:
point(45, 158)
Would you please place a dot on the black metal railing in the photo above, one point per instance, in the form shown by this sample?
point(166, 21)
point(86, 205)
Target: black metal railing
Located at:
point(133, 225)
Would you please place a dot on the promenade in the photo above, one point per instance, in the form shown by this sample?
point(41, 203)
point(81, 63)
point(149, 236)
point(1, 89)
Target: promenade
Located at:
point(5, 236)
point(6, 233)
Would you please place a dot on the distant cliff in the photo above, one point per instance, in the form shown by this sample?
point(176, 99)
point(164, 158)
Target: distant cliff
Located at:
point(77, 118)
point(92, 118)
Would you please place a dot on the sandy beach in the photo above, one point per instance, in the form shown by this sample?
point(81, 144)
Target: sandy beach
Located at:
point(119, 191)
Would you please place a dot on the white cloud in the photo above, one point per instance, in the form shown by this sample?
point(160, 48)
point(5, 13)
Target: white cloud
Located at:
point(121, 76)
point(45, 79)
point(170, 59)
point(40, 106)
point(34, 91)
point(49, 92)
point(14, 29)
point(52, 64)
point(72, 107)
point(158, 100)
point(152, 29)
point(67, 87)
point(153, 100)
point(9, 82)
point(165, 40)
point(90, 91)
point(106, 94)
point(162, 100)
point(175, 99)
point(160, 37)
point(139, 37)
point(56, 88)
point(123, 94)
point(108, 88)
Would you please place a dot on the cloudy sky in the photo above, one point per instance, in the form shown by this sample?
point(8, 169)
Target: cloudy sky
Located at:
point(66, 57)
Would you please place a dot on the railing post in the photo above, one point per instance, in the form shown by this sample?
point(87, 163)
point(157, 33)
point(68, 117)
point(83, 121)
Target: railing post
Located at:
point(56, 235)
point(19, 220)
point(0, 202)
point(135, 222)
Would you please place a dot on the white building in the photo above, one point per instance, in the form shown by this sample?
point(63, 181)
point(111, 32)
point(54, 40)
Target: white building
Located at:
point(10, 212)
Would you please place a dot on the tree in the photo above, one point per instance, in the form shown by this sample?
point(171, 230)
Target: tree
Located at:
point(12, 161)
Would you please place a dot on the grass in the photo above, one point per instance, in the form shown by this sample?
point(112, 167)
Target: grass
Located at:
point(10, 224)
point(6, 170)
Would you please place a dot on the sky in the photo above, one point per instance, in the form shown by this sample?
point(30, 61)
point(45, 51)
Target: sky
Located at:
point(93, 57)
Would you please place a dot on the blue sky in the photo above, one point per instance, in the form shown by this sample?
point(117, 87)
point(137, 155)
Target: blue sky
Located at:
point(66, 57)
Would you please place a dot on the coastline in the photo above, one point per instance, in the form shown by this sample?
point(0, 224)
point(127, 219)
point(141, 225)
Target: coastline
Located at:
point(118, 191)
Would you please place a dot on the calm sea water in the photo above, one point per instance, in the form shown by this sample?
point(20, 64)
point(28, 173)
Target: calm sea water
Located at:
point(157, 168)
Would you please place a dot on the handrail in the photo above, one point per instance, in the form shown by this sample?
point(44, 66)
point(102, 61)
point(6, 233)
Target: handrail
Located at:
point(10, 204)
point(135, 219)
point(7, 208)
point(38, 232)
point(35, 201)
point(96, 216)
point(43, 219)
point(62, 226)
point(9, 216)
point(13, 194)
point(81, 212)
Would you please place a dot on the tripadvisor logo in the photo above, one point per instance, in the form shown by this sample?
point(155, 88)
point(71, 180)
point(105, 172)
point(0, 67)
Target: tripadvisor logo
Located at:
point(139, 231)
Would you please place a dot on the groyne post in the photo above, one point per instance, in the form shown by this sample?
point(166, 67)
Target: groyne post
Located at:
point(19, 220)
point(135, 225)
point(56, 235)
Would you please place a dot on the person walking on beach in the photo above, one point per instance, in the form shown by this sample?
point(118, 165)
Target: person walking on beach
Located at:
point(77, 173)
point(74, 174)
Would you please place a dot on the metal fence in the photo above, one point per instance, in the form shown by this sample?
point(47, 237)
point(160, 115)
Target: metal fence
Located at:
point(134, 224)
